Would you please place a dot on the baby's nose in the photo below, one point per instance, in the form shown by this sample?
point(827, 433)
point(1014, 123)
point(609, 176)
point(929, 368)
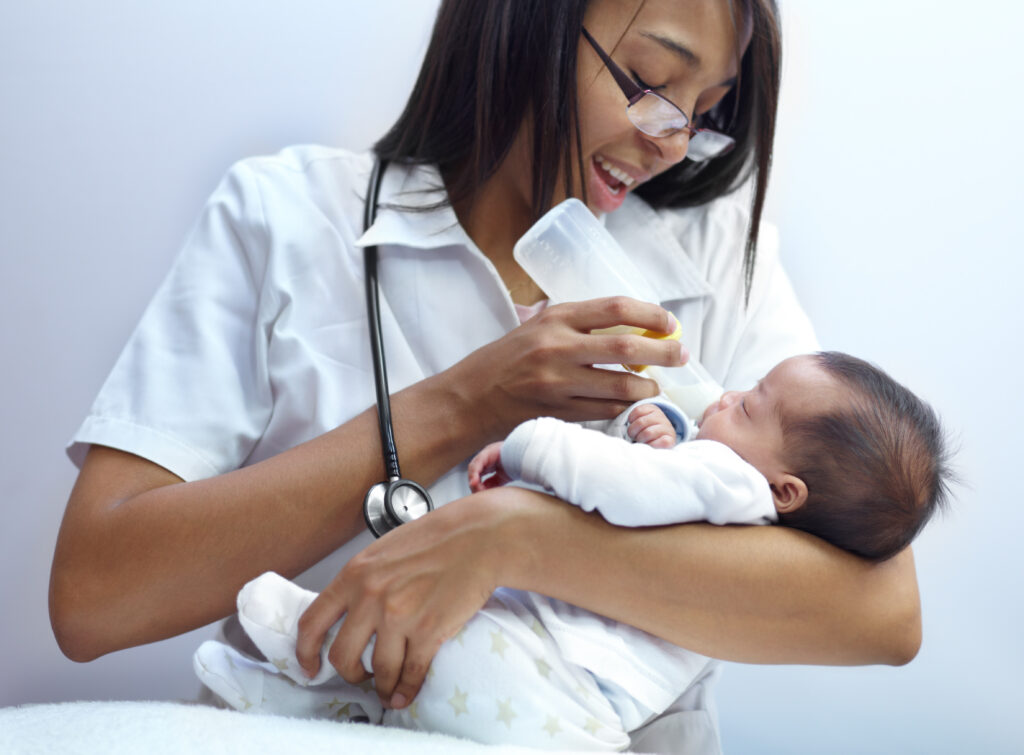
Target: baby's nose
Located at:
point(729, 398)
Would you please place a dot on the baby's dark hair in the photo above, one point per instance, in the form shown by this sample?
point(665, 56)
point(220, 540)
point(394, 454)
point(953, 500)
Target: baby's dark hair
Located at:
point(876, 468)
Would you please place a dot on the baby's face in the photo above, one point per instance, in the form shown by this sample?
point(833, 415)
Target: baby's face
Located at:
point(750, 422)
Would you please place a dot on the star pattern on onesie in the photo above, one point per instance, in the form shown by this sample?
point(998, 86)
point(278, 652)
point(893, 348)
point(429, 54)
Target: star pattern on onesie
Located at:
point(592, 725)
point(499, 643)
point(458, 701)
point(538, 629)
point(461, 635)
point(505, 712)
point(281, 664)
point(552, 727)
point(543, 667)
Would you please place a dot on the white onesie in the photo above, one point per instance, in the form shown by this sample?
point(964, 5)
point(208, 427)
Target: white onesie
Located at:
point(526, 669)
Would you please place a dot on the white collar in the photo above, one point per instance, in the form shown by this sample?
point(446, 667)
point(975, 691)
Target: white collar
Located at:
point(421, 226)
point(657, 252)
point(640, 230)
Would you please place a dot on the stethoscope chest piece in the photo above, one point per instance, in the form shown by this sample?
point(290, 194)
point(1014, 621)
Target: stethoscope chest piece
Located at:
point(390, 504)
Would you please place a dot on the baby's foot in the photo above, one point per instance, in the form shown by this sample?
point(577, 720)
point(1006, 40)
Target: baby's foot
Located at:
point(269, 609)
point(250, 686)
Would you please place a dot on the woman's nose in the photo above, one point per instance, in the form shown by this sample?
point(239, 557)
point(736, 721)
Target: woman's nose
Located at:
point(673, 148)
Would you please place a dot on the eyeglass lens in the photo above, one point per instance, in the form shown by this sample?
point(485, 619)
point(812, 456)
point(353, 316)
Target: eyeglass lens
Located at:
point(658, 117)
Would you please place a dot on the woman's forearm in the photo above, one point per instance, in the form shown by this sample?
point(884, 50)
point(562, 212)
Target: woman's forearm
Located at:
point(748, 594)
point(142, 556)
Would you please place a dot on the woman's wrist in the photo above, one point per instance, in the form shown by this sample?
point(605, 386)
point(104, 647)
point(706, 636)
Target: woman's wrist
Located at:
point(514, 521)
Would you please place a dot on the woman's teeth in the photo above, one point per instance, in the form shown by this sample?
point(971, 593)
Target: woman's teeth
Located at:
point(615, 173)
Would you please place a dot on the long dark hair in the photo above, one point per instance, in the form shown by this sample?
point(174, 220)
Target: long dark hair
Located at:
point(490, 63)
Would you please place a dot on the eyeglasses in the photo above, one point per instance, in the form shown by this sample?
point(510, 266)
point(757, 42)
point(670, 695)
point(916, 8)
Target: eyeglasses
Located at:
point(658, 117)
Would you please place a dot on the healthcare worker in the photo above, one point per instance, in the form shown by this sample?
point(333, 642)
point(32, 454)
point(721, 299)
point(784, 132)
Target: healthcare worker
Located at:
point(237, 432)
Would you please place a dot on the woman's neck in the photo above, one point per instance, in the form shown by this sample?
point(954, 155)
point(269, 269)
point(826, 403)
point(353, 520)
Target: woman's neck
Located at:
point(495, 217)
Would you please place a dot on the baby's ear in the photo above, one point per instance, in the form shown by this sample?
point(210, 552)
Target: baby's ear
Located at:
point(789, 493)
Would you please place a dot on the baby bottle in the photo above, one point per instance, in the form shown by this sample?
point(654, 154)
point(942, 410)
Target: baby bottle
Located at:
point(572, 257)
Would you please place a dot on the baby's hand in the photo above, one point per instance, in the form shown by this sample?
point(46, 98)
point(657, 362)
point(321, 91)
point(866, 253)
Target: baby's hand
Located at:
point(487, 462)
point(648, 424)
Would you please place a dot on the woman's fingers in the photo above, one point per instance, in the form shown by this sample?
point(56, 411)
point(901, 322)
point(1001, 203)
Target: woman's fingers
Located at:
point(347, 649)
point(314, 623)
point(610, 386)
point(389, 656)
point(418, 657)
point(628, 348)
point(611, 311)
point(545, 366)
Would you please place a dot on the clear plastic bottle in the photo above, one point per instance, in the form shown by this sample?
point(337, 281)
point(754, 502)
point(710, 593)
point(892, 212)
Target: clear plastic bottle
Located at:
point(572, 257)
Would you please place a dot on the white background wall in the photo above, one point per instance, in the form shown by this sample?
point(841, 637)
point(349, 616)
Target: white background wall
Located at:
point(896, 183)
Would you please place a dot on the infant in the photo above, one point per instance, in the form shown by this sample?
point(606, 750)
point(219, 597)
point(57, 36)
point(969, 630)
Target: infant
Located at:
point(826, 443)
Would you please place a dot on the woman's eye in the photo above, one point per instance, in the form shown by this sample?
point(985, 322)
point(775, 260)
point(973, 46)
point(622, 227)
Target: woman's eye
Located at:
point(643, 84)
point(743, 406)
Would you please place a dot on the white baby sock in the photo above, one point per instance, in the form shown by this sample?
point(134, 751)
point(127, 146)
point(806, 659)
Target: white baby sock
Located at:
point(269, 608)
point(253, 687)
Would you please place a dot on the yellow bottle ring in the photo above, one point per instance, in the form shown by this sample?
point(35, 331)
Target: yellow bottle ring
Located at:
point(675, 335)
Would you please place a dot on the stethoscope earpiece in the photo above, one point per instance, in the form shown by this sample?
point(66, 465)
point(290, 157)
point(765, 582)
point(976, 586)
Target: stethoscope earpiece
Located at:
point(387, 504)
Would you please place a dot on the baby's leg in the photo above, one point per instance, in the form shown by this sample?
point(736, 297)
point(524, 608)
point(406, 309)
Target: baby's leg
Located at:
point(501, 680)
point(269, 608)
point(250, 686)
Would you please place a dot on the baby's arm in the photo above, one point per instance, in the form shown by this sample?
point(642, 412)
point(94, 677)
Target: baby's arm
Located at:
point(644, 422)
point(633, 484)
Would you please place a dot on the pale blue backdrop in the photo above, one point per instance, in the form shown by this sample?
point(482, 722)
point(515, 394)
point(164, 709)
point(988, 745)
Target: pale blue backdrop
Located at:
point(896, 187)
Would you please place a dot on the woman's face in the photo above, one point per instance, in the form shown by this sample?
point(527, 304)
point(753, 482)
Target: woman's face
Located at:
point(685, 50)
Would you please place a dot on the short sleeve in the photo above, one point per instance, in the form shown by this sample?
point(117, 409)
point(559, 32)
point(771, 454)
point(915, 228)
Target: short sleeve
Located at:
point(190, 391)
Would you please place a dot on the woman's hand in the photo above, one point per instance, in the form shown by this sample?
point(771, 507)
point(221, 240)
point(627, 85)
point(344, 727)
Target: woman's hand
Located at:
point(414, 588)
point(546, 366)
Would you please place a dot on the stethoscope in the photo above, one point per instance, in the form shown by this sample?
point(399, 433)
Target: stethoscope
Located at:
point(395, 501)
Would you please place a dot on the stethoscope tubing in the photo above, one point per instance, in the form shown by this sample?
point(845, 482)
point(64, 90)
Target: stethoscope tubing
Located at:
point(382, 511)
point(380, 374)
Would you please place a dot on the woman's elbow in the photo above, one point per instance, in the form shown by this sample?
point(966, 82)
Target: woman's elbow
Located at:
point(906, 638)
point(77, 610)
point(69, 620)
point(901, 601)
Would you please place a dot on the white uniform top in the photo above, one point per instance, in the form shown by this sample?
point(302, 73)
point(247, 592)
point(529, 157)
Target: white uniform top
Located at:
point(257, 339)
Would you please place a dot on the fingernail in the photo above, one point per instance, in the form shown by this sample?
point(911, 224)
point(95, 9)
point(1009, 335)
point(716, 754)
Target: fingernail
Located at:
point(398, 700)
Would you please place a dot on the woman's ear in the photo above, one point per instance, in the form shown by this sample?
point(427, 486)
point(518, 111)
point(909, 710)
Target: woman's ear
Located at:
point(789, 493)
